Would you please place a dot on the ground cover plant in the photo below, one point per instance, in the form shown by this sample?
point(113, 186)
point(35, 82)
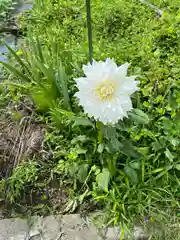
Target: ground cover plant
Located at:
point(129, 169)
point(5, 7)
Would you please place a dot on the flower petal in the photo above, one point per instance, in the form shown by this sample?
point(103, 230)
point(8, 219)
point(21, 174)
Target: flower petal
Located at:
point(122, 70)
point(105, 91)
point(128, 85)
point(93, 68)
point(111, 64)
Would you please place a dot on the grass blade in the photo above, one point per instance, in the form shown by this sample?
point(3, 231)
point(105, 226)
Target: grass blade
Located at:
point(48, 73)
point(19, 60)
point(61, 82)
point(16, 72)
point(39, 50)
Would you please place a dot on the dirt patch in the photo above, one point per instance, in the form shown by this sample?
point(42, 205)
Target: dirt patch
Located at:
point(19, 140)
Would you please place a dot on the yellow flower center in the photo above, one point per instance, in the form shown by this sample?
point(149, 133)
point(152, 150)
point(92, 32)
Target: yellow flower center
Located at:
point(105, 90)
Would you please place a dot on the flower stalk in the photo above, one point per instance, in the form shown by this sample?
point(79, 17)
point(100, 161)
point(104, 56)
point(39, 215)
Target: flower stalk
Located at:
point(89, 26)
point(99, 126)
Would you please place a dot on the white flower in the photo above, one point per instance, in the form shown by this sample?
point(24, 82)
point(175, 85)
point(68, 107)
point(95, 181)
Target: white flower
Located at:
point(105, 91)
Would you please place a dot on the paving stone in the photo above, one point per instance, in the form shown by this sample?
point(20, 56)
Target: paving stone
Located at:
point(68, 227)
point(10, 229)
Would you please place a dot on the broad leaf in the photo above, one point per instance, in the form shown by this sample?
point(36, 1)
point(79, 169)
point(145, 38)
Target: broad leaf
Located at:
point(103, 179)
point(167, 123)
point(174, 141)
point(129, 150)
point(157, 145)
point(144, 150)
point(80, 138)
point(83, 172)
point(115, 144)
point(81, 121)
point(135, 164)
point(108, 131)
point(139, 116)
point(131, 174)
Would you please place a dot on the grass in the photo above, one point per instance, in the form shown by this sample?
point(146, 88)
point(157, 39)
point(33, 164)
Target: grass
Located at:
point(5, 7)
point(134, 171)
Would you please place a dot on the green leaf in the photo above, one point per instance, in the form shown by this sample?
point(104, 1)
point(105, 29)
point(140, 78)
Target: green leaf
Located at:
point(58, 112)
point(143, 150)
point(129, 150)
point(108, 131)
point(81, 151)
point(167, 123)
point(83, 172)
point(95, 169)
point(103, 179)
point(80, 138)
point(169, 155)
point(139, 116)
point(47, 71)
point(174, 141)
point(172, 100)
point(18, 59)
point(157, 146)
point(38, 49)
point(81, 121)
point(166, 169)
point(16, 72)
point(135, 164)
point(82, 196)
point(115, 144)
point(100, 148)
point(132, 174)
point(62, 80)
point(177, 166)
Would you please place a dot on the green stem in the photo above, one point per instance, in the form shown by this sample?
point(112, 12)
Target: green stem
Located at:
point(89, 26)
point(100, 133)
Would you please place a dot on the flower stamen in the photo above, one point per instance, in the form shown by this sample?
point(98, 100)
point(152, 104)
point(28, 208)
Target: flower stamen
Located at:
point(105, 90)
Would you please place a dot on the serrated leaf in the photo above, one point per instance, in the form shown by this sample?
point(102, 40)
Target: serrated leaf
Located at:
point(139, 117)
point(103, 179)
point(80, 121)
point(115, 144)
point(131, 174)
point(108, 131)
point(129, 150)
